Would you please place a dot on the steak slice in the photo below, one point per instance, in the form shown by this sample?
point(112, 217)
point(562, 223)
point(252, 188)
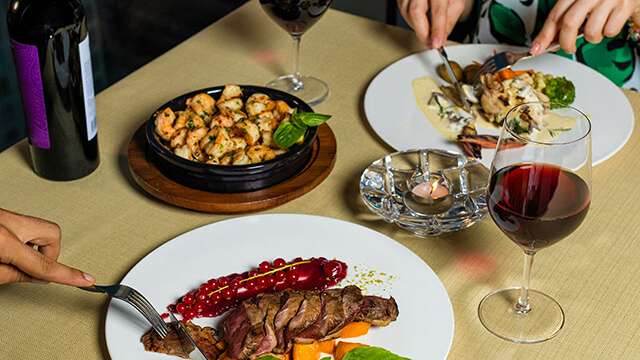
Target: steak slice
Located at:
point(256, 333)
point(269, 303)
point(306, 316)
point(292, 300)
point(331, 314)
point(352, 301)
point(378, 311)
point(203, 336)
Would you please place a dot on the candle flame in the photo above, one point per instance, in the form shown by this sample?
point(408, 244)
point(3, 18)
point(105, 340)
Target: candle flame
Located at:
point(434, 186)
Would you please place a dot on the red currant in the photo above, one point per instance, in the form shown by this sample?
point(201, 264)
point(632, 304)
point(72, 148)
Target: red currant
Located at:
point(216, 297)
point(280, 275)
point(292, 277)
point(207, 301)
point(253, 273)
point(279, 262)
point(189, 314)
point(227, 293)
point(223, 281)
point(234, 284)
point(205, 288)
point(332, 268)
point(188, 299)
point(198, 307)
point(271, 280)
point(294, 268)
point(213, 284)
point(297, 260)
point(250, 284)
point(200, 296)
point(180, 308)
point(265, 267)
point(261, 282)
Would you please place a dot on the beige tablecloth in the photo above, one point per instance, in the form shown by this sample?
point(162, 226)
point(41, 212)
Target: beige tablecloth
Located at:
point(109, 223)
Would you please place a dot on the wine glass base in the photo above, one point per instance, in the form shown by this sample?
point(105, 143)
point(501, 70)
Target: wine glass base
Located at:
point(498, 313)
point(311, 90)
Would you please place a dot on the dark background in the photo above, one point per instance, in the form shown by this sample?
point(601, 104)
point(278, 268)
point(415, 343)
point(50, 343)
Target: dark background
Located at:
point(126, 34)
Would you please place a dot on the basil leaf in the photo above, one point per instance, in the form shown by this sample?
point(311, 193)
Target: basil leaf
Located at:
point(313, 119)
point(268, 357)
point(287, 134)
point(326, 358)
point(372, 353)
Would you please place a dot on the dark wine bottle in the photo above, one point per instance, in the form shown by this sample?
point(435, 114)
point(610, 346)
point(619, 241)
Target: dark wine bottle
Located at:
point(50, 46)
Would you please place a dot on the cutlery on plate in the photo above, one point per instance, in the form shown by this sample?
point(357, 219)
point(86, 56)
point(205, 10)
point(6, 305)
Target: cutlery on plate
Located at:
point(505, 59)
point(135, 299)
point(188, 344)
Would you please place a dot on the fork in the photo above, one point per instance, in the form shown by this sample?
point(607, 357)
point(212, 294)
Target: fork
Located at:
point(506, 59)
point(135, 299)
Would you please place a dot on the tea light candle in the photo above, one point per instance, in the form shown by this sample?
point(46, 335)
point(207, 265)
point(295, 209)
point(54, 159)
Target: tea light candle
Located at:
point(431, 190)
point(431, 197)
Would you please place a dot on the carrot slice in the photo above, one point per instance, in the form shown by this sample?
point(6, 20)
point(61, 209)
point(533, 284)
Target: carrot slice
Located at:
point(344, 347)
point(306, 351)
point(355, 329)
point(327, 346)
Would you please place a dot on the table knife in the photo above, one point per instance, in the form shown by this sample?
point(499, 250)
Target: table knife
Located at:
point(188, 344)
point(454, 79)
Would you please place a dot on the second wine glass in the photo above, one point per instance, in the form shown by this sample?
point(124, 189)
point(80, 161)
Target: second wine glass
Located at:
point(296, 17)
point(539, 192)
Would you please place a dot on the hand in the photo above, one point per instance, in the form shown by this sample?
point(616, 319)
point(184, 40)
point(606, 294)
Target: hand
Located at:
point(21, 262)
point(604, 18)
point(444, 16)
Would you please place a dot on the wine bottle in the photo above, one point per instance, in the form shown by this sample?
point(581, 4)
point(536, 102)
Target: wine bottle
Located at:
point(50, 46)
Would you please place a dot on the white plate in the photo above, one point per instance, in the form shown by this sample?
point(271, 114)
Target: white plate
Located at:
point(424, 329)
point(393, 113)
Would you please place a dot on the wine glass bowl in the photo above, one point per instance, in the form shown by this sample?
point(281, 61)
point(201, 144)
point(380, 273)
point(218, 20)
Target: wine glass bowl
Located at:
point(296, 17)
point(539, 192)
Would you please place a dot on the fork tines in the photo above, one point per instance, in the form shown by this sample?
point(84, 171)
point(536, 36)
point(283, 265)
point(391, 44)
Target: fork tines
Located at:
point(142, 304)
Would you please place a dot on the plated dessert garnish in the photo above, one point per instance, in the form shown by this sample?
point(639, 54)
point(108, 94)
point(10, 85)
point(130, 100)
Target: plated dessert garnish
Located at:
point(491, 98)
point(233, 129)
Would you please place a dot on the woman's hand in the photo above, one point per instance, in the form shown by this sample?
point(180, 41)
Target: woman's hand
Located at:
point(604, 18)
point(21, 262)
point(433, 31)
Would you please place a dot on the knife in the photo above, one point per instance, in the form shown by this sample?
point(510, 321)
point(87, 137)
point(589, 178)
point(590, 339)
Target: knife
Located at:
point(452, 76)
point(188, 344)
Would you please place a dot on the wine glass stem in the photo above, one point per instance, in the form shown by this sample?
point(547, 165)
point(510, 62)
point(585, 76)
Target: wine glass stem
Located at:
point(523, 306)
point(297, 82)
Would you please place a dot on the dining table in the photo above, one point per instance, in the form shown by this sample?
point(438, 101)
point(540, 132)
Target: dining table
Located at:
point(109, 222)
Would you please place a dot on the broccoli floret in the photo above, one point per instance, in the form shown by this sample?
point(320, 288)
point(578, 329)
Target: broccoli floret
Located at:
point(560, 90)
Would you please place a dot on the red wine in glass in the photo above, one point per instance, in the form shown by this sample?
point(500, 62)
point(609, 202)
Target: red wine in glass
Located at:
point(536, 204)
point(296, 17)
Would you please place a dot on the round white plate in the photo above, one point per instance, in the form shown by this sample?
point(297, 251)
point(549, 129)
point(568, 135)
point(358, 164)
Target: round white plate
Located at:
point(423, 330)
point(393, 113)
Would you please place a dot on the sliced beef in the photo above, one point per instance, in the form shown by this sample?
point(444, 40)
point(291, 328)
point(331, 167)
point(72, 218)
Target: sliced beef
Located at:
point(378, 311)
point(331, 314)
point(306, 316)
point(269, 303)
point(351, 302)
point(291, 303)
point(203, 336)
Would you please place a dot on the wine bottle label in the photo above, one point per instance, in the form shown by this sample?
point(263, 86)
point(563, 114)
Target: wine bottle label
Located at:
point(87, 87)
point(30, 83)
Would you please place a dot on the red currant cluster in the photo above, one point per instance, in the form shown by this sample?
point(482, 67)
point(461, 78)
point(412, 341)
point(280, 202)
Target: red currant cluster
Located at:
point(216, 291)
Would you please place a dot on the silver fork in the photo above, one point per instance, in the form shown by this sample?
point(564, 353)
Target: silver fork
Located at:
point(506, 58)
point(135, 299)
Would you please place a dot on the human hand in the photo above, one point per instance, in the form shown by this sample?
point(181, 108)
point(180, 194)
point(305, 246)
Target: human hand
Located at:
point(604, 18)
point(21, 262)
point(433, 31)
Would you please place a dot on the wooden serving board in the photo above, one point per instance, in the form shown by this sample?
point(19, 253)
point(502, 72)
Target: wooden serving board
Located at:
point(147, 175)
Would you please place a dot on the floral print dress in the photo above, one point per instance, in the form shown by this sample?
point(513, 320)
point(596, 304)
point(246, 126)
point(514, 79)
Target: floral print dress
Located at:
point(517, 22)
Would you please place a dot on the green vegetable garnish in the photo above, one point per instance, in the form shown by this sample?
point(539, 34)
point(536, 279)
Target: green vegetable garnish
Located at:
point(268, 357)
point(372, 353)
point(560, 90)
point(288, 133)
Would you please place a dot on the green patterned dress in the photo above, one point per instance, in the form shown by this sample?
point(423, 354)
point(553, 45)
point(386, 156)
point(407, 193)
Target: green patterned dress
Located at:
point(518, 22)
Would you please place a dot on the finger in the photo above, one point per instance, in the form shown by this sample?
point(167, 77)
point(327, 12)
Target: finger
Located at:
point(417, 12)
point(551, 27)
point(455, 10)
point(28, 260)
point(617, 20)
point(31, 229)
point(594, 27)
point(439, 19)
point(9, 274)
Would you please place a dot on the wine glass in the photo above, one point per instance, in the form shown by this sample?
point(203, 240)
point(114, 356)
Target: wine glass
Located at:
point(296, 17)
point(539, 192)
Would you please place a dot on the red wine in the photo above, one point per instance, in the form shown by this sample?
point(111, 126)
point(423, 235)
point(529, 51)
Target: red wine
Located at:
point(295, 16)
point(537, 205)
point(50, 46)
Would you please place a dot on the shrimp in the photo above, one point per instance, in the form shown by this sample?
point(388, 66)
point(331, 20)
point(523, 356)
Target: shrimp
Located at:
point(203, 105)
point(249, 130)
point(164, 124)
point(218, 142)
point(258, 103)
point(237, 115)
point(226, 160)
point(258, 153)
point(230, 105)
point(193, 142)
point(282, 110)
point(183, 151)
point(266, 122)
point(267, 138)
point(229, 92)
point(179, 138)
point(181, 120)
point(240, 158)
point(222, 120)
point(239, 143)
